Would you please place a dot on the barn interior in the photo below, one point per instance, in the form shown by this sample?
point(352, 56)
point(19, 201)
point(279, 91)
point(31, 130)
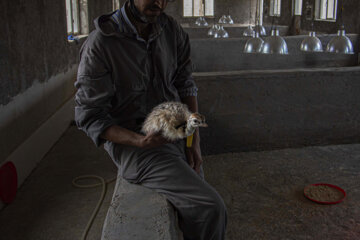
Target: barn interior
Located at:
point(278, 120)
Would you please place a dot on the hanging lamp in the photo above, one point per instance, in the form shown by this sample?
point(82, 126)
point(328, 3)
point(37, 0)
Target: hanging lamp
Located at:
point(201, 22)
point(223, 19)
point(254, 44)
point(311, 43)
point(340, 43)
point(274, 44)
point(211, 32)
point(229, 20)
point(221, 33)
point(258, 26)
point(260, 29)
point(249, 32)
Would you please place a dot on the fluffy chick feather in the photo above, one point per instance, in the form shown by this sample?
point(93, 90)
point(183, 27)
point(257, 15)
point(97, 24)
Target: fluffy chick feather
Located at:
point(173, 120)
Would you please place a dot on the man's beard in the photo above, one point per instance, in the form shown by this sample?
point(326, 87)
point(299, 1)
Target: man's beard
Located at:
point(140, 17)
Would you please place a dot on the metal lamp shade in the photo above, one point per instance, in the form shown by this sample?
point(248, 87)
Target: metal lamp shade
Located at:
point(275, 44)
point(248, 32)
point(260, 29)
point(229, 20)
point(223, 19)
point(201, 22)
point(221, 33)
point(197, 22)
point(340, 44)
point(212, 30)
point(311, 44)
point(254, 44)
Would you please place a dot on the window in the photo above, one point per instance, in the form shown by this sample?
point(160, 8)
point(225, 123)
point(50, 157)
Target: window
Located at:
point(116, 4)
point(297, 7)
point(198, 8)
point(77, 17)
point(275, 6)
point(325, 10)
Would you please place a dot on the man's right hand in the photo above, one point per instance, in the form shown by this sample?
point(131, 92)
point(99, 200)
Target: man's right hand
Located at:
point(152, 140)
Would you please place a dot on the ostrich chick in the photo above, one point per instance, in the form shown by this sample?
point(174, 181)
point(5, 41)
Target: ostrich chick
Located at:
point(173, 120)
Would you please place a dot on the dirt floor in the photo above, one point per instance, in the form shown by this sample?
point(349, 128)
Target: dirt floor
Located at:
point(263, 192)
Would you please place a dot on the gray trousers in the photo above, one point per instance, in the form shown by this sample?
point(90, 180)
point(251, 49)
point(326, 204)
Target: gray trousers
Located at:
point(201, 210)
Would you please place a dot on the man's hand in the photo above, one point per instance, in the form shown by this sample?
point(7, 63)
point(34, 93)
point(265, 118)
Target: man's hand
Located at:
point(152, 140)
point(120, 135)
point(193, 154)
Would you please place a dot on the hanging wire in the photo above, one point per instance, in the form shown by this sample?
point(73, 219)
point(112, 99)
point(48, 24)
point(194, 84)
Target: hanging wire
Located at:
point(250, 13)
point(256, 13)
point(340, 20)
point(341, 15)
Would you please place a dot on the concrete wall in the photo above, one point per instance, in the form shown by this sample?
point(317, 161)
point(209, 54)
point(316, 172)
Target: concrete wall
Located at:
point(259, 110)
point(35, 51)
point(97, 8)
point(286, 14)
point(34, 48)
point(37, 71)
point(349, 16)
point(211, 55)
point(239, 10)
point(38, 65)
point(235, 31)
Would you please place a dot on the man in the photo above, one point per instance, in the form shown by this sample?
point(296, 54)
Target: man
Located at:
point(137, 58)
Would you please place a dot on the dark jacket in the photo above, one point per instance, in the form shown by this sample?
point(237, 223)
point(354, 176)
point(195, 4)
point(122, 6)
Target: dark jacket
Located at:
point(121, 77)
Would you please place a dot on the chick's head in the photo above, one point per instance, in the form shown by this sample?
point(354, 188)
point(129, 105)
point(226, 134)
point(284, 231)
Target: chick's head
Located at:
point(197, 120)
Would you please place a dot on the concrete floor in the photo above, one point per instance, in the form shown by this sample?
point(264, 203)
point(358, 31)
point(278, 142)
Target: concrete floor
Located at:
point(262, 190)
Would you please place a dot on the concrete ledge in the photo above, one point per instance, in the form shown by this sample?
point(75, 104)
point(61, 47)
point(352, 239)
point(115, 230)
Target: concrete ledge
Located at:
point(33, 149)
point(138, 213)
point(228, 55)
point(234, 30)
point(21, 117)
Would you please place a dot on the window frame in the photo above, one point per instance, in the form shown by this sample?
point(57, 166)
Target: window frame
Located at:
point(116, 5)
point(77, 20)
point(275, 8)
point(320, 10)
point(203, 2)
point(297, 6)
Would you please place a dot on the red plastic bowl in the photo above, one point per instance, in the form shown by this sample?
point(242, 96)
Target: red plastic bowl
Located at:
point(8, 182)
point(329, 185)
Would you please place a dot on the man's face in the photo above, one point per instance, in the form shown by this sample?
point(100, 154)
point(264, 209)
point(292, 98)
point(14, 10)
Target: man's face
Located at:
point(151, 9)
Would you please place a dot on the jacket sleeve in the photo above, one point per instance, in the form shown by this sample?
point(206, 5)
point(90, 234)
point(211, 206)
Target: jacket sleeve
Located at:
point(184, 81)
point(94, 93)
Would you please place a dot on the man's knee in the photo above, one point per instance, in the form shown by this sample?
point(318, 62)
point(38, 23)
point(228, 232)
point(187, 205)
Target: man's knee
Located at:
point(219, 208)
point(216, 207)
